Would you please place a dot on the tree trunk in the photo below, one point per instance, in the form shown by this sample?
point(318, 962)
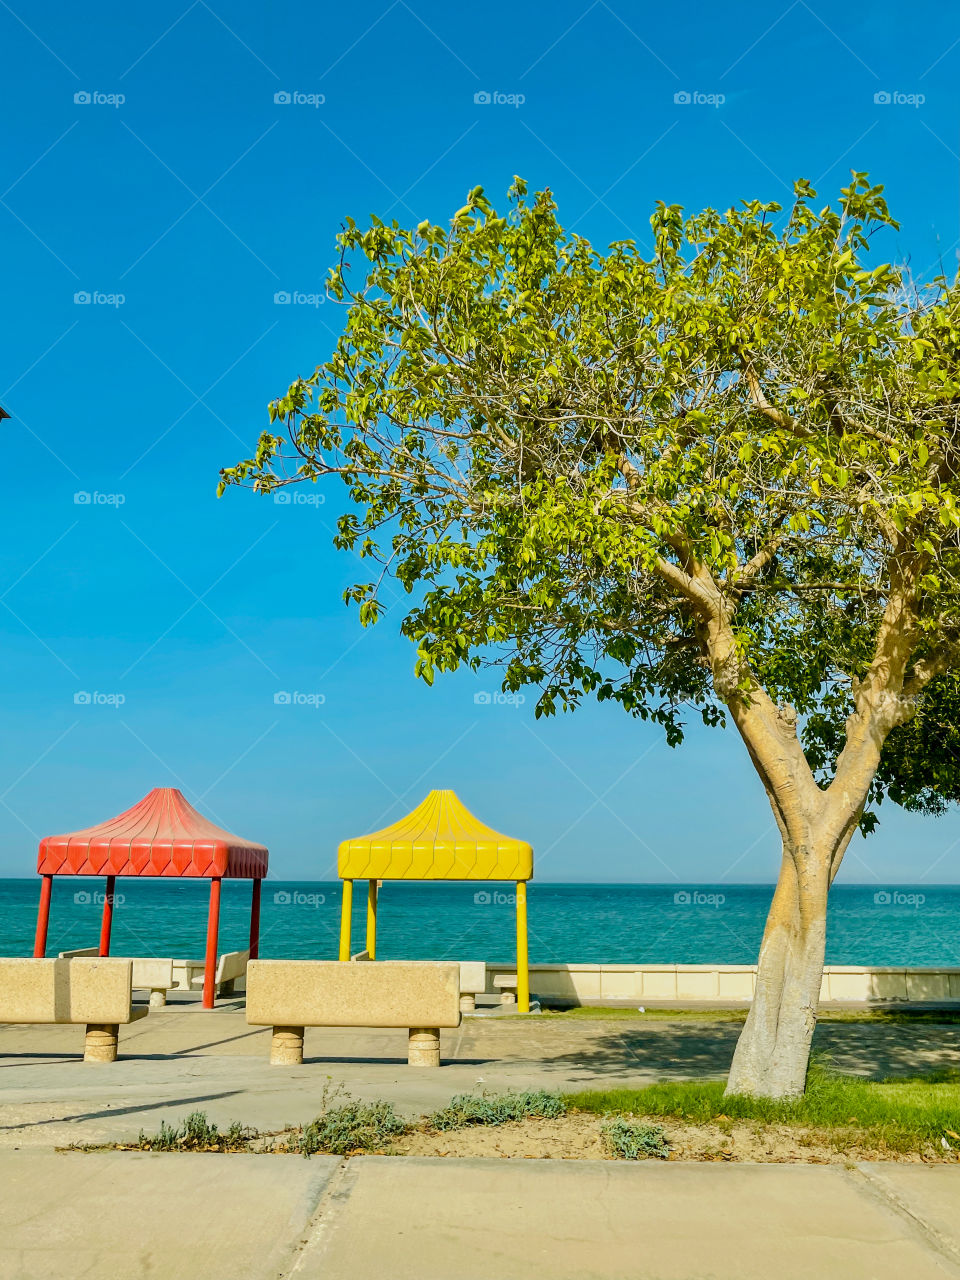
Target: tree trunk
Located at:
point(816, 823)
point(774, 1047)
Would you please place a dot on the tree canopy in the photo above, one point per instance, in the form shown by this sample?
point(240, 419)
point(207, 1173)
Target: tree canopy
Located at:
point(578, 461)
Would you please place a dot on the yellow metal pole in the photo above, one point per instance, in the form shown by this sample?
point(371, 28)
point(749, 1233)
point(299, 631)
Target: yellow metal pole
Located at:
point(346, 914)
point(523, 971)
point(372, 919)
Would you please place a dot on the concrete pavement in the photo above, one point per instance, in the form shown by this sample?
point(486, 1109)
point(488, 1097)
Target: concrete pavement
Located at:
point(177, 1061)
point(119, 1215)
point(133, 1215)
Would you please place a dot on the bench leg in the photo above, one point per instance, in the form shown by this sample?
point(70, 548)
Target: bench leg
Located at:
point(508, 997)
point(424, 1047)
point(101, 1042)
point(158, 997)
point(468, 1002)
point(286, 1047)
point(228, 988)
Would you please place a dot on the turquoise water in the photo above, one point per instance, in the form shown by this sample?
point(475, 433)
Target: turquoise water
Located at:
point(595, 923)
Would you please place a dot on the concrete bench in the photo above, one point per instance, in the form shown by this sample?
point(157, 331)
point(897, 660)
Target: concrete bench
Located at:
point(149, 974)
point(230, 966)
point(290, 995)
point(473, 983)
point(153, 975)
point(93, 991)
point(473, 980)
point(158, 976)
point(506, 984)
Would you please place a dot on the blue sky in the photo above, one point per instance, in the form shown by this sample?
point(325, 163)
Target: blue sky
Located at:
point(198, 198)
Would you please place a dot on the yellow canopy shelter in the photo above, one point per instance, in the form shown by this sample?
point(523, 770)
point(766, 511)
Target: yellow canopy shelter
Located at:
point(439, 840)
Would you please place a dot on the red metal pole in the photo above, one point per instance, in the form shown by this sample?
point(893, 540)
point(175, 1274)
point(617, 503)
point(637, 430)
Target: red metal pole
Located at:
point(43, 916)
point(107, 920)
point(255, 920)
point(213, 927)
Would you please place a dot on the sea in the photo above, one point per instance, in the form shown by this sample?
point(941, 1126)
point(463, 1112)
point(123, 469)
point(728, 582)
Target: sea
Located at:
point(915, 925)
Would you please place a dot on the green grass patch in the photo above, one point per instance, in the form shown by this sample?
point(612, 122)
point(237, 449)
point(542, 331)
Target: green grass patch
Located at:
point(634, 1140)
point(197, 1134)
point(898, 1114)
point(473, 1108)
point(613, 1013)
point(356, 1126)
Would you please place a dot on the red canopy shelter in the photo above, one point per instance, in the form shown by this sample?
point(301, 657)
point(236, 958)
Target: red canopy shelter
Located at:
point(163, 835)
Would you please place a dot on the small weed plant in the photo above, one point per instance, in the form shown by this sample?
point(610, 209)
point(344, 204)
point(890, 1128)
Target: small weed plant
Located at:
point(634, 1140)
point(353, 1127)
point(197, 1133)
point(473, 1108)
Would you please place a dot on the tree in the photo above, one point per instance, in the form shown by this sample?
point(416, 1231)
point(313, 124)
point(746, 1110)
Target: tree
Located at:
point(719, 479)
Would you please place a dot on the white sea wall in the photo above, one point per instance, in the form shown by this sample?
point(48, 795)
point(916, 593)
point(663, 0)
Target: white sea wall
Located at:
point(858, 984)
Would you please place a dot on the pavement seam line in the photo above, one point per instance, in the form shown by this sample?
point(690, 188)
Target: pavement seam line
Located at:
point(880, 1191)
point(316, 1234)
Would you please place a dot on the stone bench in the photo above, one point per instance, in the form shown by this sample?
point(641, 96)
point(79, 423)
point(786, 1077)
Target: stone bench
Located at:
point(149, 974)
point(93, 991)
point(506, 984)
point(473, 980)
point(289, 995)
point(473, 983)
point(230, 966)
point(158, 976)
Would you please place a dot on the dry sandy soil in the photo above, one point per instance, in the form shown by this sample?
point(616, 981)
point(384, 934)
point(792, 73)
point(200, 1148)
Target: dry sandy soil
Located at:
point(578, 1137)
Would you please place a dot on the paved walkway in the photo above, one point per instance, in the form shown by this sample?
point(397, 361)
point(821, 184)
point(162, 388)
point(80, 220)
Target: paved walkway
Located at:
point(131, 1215)
point(177, 1061)
point(126, 1215)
